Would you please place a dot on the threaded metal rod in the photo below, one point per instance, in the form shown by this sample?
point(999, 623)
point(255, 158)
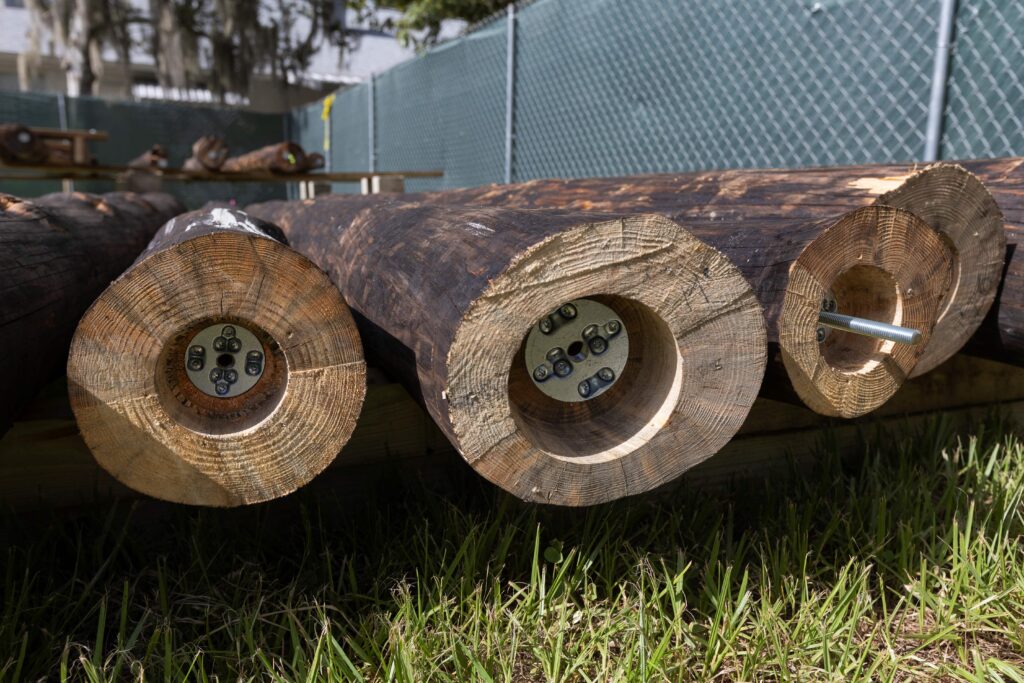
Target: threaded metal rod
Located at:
point(869, 328)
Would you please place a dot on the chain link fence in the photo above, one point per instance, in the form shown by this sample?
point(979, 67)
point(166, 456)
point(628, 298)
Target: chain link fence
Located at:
point(606, 87)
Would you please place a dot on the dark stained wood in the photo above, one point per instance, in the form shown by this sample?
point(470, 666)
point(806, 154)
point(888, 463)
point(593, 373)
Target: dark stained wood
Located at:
point(208, 154)
point(19, 145)
point(153, 429)
point(446, 296)
point(945, 196)
point(57, 253)
point(283, 157)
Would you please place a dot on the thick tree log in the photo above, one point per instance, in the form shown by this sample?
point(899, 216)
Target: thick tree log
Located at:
point(1002, 335)
point(284, 157)
point(19, 145)
point(222, 368)
point(946, 196)
point(208, 154)
point(450, 299)
point(57, 253)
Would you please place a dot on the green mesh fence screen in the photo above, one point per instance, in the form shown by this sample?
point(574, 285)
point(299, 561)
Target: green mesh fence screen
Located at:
point(605, 87)
point(134, 127)
point(985, 101)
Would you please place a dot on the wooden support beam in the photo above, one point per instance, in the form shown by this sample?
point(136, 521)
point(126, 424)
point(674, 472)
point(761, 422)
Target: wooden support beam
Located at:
point(448, 298)
point(222, 368)
point(57, 253)
point(946, 196)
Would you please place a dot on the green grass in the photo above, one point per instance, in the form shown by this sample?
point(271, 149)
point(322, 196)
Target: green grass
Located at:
point(905, 565)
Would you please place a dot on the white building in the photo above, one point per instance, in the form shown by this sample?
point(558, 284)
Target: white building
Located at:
point(373, 54)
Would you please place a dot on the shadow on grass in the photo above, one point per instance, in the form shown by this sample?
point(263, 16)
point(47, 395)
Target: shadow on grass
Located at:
point(157, 586)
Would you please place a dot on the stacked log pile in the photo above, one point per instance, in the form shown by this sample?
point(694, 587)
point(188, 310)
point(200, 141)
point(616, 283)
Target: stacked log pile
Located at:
point(222, 368)
point(575, 341)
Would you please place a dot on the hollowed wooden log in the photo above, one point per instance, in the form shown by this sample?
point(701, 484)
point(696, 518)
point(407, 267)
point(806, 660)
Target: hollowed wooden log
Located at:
point(57, 253)
point(19, 145)
point(284, 157)
point(946, 196)
point(150, 417)
point(208, 154)
point(446, 298)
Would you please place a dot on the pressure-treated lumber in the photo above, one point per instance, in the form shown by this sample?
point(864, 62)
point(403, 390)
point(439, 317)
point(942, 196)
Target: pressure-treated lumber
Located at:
point(57, 253)
point(208, 154)
point(447, 297)
point(291, 394)
point(283, 157)
point(19, 145)
point(946, 196)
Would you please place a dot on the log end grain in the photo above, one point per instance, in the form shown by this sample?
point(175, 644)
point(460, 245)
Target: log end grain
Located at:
point(697, 353)
point(956, 204)
point(153, 430)
point(880, 263)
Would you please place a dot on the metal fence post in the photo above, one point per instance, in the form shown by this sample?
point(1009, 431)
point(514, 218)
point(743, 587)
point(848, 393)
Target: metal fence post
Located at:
point(510, 74)
point(371, 127)
point(940, 74)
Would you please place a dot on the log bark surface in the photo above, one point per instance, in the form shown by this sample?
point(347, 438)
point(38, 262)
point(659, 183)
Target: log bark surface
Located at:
point(1002, 336)
point(153, 429)
point(950, 199)
point(19, 145)
point(447, 296)
point(208, 154)
point(283, 157)
point(57, 253)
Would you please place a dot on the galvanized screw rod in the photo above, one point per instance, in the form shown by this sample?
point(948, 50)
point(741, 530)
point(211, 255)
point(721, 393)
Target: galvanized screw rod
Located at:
point(868, 328)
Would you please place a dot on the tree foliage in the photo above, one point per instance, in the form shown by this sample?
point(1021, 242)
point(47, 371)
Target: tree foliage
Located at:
point(421, 20)
point(220, 44)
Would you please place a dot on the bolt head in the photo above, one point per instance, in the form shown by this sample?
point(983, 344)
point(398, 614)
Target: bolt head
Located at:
point(196, 351)
point(568, 311)
point(613, 327)
point(234, 345)
point(821, 334)
point(555, 353)
point(253, 369)
point(254, 356)
point(584, 388)
point(541, 373)
point(220, 343)
point(216, 375)
point(222, 388)
point(606, 374)
point(563, 368)
point(589, 331)
point(195, 364)
point(598, 345)
point(545, 325)
point(231, 376)
point(228, 331)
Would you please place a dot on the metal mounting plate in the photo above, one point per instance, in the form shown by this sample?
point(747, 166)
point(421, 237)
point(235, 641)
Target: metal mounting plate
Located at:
point(224, 360)
point(578, 351)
